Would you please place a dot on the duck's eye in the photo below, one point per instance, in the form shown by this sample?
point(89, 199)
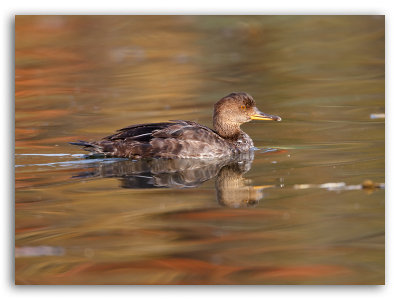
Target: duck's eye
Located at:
point(243, 107)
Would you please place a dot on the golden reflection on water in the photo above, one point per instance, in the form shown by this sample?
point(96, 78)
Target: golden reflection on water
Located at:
point(94, 221)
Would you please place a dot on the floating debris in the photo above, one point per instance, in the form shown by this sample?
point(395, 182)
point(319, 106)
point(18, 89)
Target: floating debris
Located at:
point(369, 184)
point(339, 186)
point(328, 186)
point(303, 186)
point(377, 116)
point(39, 251)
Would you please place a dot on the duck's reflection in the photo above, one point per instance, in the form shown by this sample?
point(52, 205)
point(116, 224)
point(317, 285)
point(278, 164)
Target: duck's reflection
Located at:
point(232, 189)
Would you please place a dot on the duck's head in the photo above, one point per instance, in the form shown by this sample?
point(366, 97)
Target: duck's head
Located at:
point(235, 109)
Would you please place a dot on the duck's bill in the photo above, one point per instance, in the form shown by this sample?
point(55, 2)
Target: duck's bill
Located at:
point(266, 117)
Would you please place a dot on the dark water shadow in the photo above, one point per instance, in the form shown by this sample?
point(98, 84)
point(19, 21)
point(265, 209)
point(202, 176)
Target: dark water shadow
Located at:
point(232, 189)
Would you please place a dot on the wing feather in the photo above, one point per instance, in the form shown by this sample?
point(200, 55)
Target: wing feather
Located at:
point(174, 139)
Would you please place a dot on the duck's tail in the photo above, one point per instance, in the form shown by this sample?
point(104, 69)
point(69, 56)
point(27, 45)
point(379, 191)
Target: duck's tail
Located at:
point(87, 146)
point(116, 148)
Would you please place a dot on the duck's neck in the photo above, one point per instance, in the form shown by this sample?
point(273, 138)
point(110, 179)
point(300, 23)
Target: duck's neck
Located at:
point(226, 129)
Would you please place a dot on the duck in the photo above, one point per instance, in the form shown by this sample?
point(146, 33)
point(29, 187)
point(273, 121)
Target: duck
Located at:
point(186, 139)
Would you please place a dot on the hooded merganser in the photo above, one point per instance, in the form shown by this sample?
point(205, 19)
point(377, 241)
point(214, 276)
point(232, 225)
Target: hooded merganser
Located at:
point(186, 139)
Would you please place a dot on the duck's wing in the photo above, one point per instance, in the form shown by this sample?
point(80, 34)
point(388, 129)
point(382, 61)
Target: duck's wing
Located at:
point(139, 132)
point(175, 129)
point(188, 139)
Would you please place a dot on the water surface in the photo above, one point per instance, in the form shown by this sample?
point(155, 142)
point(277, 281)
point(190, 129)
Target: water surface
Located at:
point(294, 212)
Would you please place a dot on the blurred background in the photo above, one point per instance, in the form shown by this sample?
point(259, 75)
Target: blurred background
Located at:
point(83, 77)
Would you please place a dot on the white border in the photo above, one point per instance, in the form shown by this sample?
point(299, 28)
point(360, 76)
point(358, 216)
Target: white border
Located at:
point(388, 8)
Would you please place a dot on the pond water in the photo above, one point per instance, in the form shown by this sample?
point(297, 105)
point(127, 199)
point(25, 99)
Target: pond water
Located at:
point(292, 212)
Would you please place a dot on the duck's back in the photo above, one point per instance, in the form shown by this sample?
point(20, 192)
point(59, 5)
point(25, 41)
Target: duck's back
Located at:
point(175, 139)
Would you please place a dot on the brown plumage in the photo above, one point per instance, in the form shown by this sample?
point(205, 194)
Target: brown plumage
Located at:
point(186, 139)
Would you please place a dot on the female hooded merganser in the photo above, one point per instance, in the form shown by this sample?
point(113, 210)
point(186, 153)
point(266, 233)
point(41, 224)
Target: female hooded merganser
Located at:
point(186, 139)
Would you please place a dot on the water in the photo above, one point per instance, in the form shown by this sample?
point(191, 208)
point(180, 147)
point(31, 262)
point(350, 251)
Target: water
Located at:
point(293, 212)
